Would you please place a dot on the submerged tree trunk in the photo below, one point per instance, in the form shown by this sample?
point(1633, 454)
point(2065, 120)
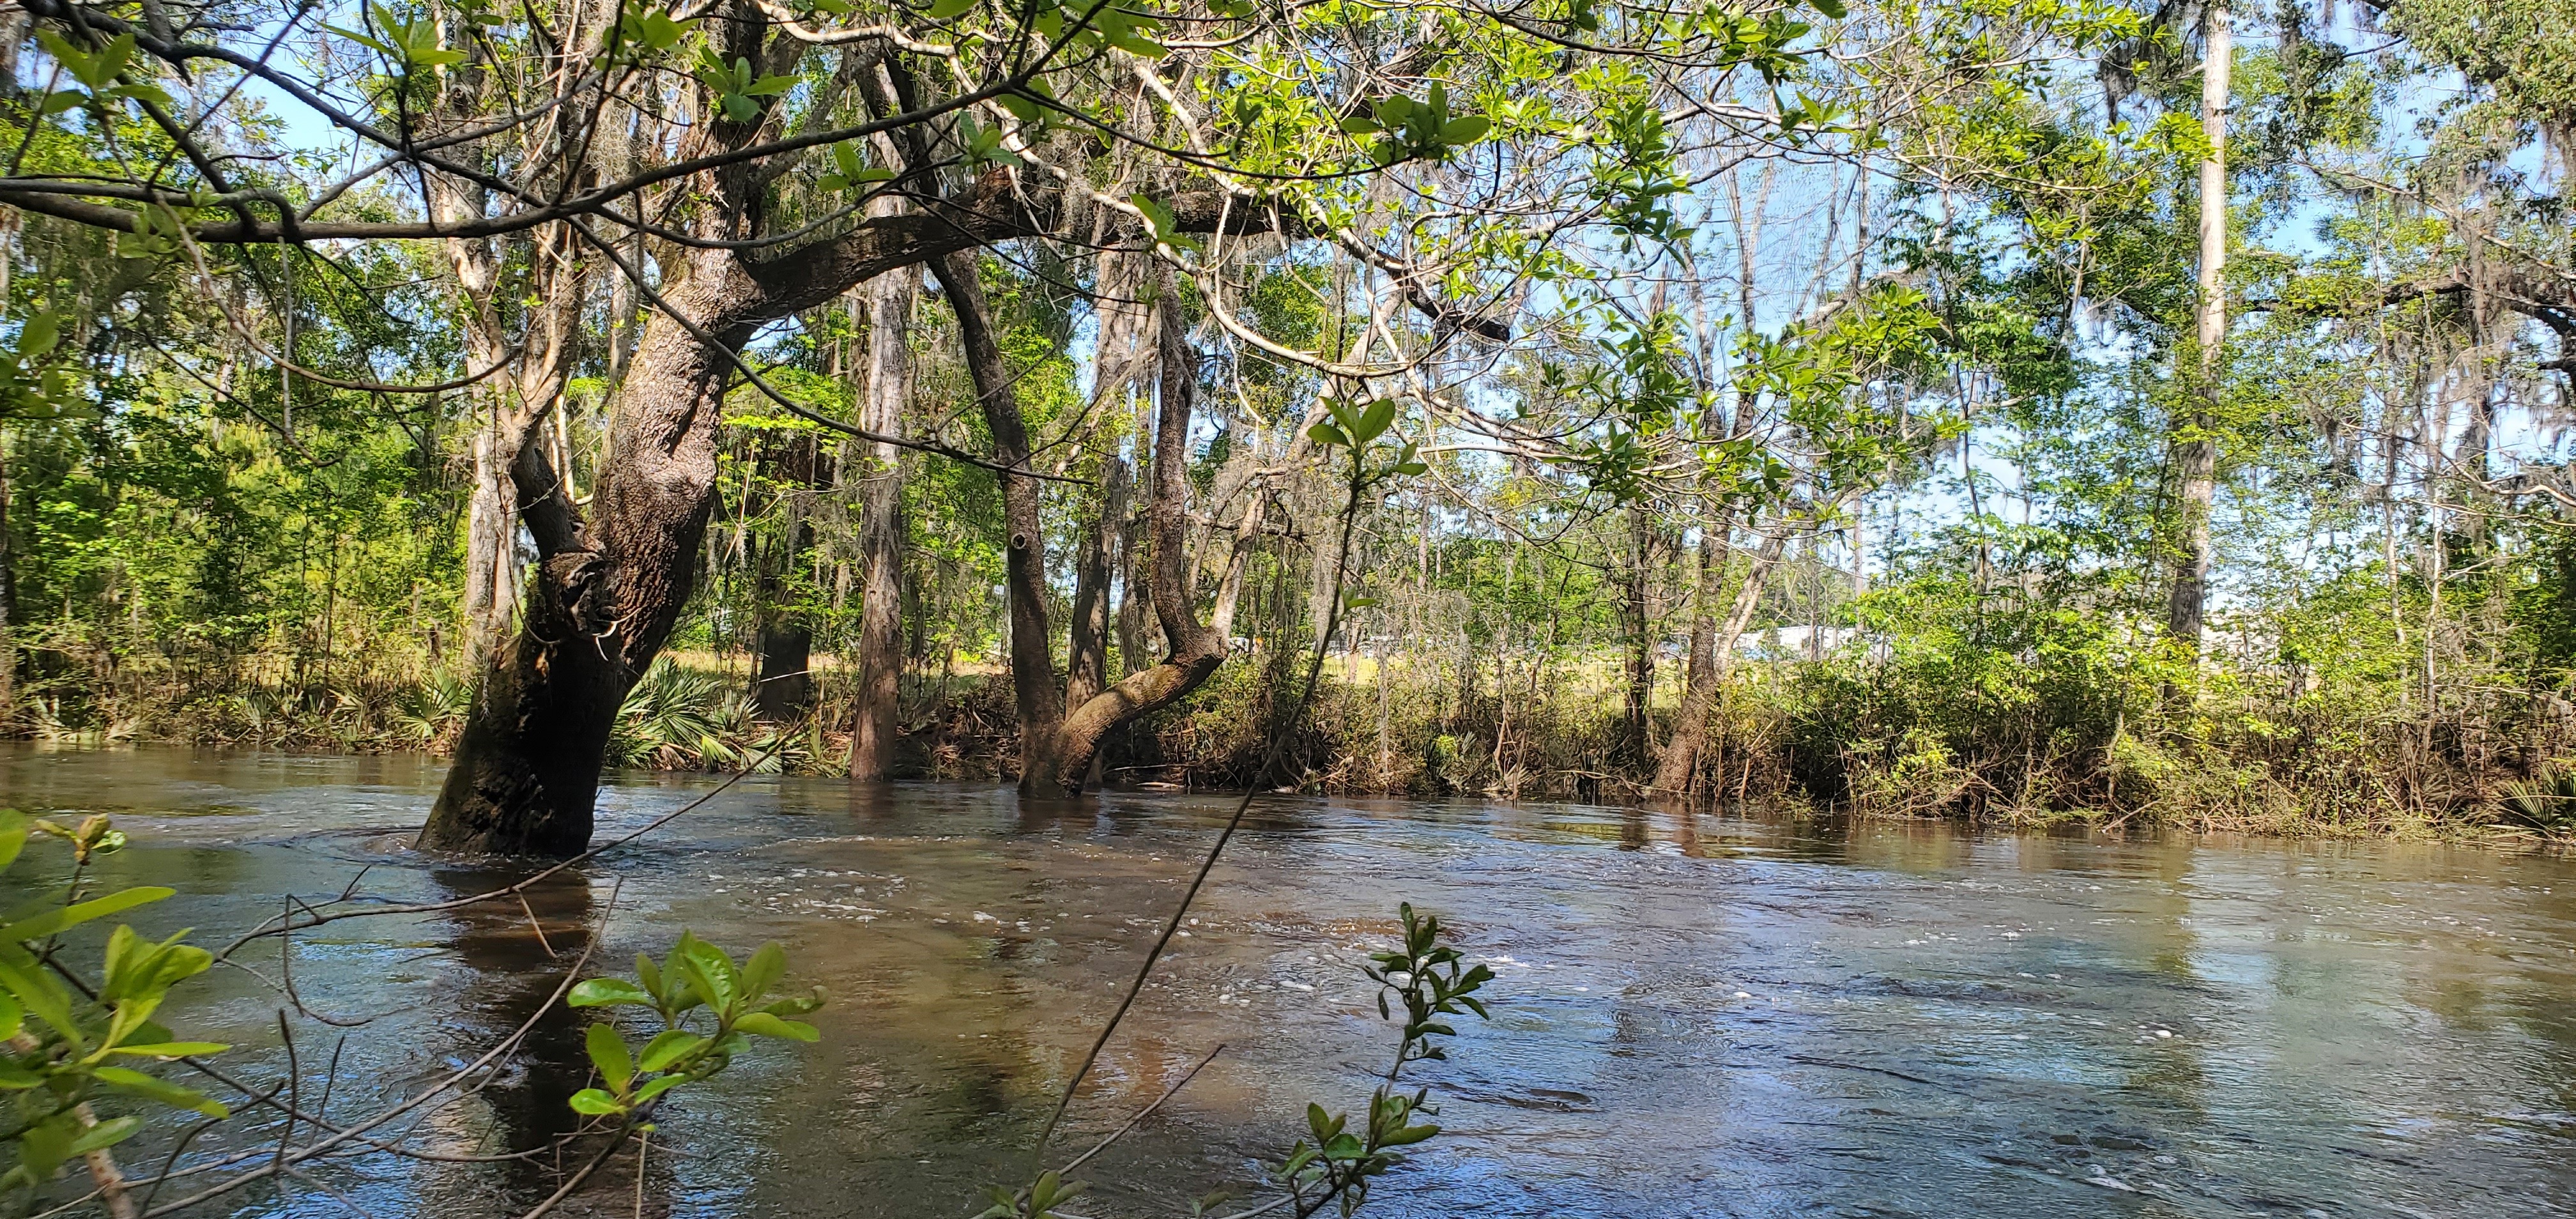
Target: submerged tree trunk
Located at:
point(2195, 451)
point(888, 300)
point(1057, 743)
point(1037, 698)
point(1194, 651)
point(605, 594)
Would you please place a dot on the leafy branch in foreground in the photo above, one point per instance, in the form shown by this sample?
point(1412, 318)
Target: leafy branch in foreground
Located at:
point(1430, 981)
point(70, 1053)
point(709, 1007)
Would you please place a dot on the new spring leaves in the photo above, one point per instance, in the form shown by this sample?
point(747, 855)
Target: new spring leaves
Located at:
point(709, 1007)
point(64, 1050)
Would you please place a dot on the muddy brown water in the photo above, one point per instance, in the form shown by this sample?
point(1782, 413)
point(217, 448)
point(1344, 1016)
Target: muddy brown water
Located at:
point(1695, 1015)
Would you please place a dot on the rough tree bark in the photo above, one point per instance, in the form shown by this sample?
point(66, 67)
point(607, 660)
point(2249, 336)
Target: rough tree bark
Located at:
point(888, 302)
point(605, 593)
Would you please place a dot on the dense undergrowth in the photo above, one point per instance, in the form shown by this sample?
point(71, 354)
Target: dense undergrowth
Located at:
point(2018, 715)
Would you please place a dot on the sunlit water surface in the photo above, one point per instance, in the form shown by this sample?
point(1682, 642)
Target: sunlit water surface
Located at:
point(1695, 1015)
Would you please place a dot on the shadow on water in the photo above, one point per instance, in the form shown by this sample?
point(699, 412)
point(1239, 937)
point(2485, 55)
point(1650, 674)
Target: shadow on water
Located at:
point(516, 956)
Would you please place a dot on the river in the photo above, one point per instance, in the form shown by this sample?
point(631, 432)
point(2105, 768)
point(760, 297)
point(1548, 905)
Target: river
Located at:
point(1695, 1015)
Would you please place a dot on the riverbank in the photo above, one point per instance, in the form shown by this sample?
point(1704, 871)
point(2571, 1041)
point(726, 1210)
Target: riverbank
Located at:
point(1801, 737)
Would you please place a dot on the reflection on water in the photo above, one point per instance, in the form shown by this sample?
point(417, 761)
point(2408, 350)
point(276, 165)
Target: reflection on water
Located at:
point(1699, 1015)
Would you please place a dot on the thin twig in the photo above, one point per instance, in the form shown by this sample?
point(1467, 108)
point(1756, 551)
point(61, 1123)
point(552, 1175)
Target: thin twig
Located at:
point(318, 917)
point(1141, 1114)
point(1278, 748)
point(538, 926)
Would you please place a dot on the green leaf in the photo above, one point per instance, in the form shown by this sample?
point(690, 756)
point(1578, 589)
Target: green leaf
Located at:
point(1374, 421)
point(1409, 1135)
point(709, 971)
point(595, 1103)
point(651, 976)
point(154, 1088)
point(942, 10)
point(36, 337)
point(608, 992)
point(609, 1055)
point(104, 1135)
point(657, 1086)
point(762, 1024)
point(1328, 435)
point(171, 1049)
point(669, 1046)
point(37, 991)
point(1466, 130)
point(52, 921)
point(361, 40)
point(767, 965)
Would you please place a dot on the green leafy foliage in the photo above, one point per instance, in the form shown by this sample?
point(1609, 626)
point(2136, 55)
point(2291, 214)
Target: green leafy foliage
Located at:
point(705, 1007)
point(409, 43)
point(737, 88)
point(65, 1047)
point(1431, 983)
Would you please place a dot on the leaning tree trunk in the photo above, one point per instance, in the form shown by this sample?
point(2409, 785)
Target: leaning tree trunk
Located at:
point(605, 595)
point(1088, 672)
point(1195, 650)
point(1039, 701)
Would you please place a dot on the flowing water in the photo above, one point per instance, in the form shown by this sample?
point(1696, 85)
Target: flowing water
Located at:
point(1694, 1015)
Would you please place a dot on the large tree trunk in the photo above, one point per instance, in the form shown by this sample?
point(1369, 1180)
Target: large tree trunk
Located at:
point(605, 594)
point(2195, 451)
point(491, 545)
point(1039, 701)
point(888, 300)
